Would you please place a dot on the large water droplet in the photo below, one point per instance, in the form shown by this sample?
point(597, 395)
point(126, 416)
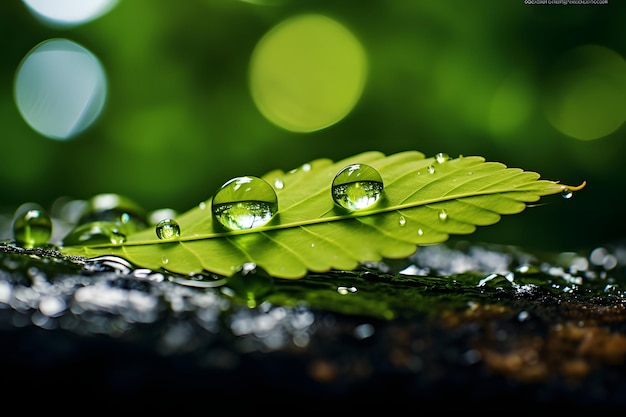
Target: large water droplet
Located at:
point(116, 209)
point(167, 229)
point(244, 203)
point(94, 233)
point(357, 187)
point(32, 225)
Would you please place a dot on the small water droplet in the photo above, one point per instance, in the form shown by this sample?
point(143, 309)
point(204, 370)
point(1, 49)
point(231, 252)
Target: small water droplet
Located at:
point(357, 187)
point(443, 215)
point(202, 205)
point(431, 169)
point(306, 167)
point(167, 229)
point(244, 203)
point(402, 221)
point(164, 260)
point(420, 232)
point(279, 184)
point(32, 225)
point(566, 193)
point(441, 157)
point(470, 173)
point(346, 290)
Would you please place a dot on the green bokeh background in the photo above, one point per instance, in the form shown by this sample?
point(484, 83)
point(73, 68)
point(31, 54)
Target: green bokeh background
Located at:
point(180, 121)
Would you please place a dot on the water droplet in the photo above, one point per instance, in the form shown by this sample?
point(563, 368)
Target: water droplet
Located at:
point(115, 209)
point(441, 157)
point(566, 193)
point(202, 205)
point(357, 187)
point(32, 225)
point(244, 203)
point(167, 229)
point(431, 169)
point(250, 284)
point(279, 184)
point(94, 233)
point(164, 260)
point(420, 232)
point(346, 290)
point(470, 173)
point(306, 167)
point(443, 215)
point(402, 221)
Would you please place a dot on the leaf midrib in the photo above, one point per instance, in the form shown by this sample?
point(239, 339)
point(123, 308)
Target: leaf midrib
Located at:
point(319, 220)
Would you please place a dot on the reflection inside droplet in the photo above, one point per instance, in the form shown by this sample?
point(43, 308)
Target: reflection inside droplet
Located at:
point(357, 187)
point(60, 88)
point(167, 229)
point(244, 203)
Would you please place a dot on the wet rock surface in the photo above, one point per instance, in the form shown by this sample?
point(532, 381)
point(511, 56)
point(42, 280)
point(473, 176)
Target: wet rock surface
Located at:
point(463, 327)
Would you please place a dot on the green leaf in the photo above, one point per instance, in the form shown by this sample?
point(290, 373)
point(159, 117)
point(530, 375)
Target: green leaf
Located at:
point(312, 233)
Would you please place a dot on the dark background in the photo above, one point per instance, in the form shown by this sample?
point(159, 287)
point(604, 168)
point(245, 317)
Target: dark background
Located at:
point(461, 77)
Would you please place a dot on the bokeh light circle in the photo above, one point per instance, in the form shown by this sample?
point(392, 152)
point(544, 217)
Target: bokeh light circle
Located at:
point(586, 96)
point(67, 13)
point(60, 88)
point(307, 73)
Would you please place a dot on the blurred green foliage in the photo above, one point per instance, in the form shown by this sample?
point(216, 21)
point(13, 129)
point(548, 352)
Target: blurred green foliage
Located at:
point(471, 78)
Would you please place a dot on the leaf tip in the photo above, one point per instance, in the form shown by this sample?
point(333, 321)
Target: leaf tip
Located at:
point(578, 187)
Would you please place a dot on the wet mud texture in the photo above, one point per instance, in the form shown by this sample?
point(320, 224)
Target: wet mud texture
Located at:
point(114, 343)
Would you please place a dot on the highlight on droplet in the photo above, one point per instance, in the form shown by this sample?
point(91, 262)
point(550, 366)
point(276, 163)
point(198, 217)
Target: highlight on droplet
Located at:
point(307, 73)
point(68, 13)
point(60, 89)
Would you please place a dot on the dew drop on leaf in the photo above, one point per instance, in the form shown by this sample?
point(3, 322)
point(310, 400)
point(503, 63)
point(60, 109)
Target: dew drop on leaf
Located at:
point(164, 260)
point(244, 203)
point(32, 225)
point(441, 157)
point(402, 221)
point(431, 169)
point(443, 215)
point(279, 184)
point(117, 209)
point(567, 193)
point(167, 229)
point(357, 187)
point(94, 233)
